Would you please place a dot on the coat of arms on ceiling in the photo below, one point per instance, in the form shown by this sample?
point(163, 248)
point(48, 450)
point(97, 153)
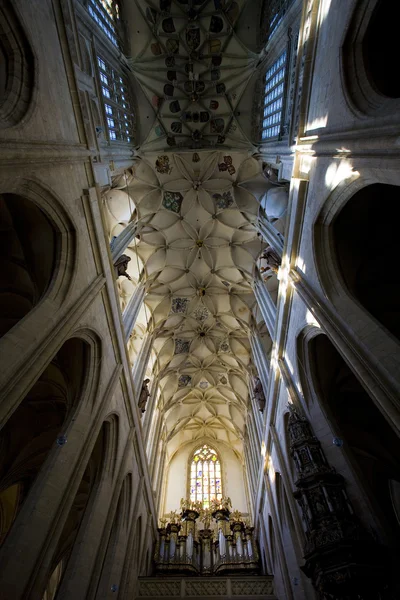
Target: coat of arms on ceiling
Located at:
point(172, 201)
point(224, 346)
point(181, 346)
point(224, 200)
point(227, 165)
point(179, 305)
point(201, 314)
point(162, 165)
point(184, 381)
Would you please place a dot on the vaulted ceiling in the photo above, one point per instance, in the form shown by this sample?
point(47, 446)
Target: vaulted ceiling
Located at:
point(193, 70)
point(197, 253)
point(196, 189)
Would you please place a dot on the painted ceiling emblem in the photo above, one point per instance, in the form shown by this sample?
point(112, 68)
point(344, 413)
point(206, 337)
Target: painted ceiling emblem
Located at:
point(201, 314)
point(227, 165)
point(195, 157)
point(172, 201)
point(224, 346)
point(217, 125)
point(193, 37)
point(162, 165)
point(224, 200)
point(179, 305)
point(223, 380)
point(184, 381)
point(181, 346)
point(203, 385)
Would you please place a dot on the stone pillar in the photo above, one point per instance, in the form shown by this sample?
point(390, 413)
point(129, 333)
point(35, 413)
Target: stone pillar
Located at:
point(140, 366)
point(265, 303)
point(121, 241)
point(270, 234)
point(260, 360)
point(132, 310)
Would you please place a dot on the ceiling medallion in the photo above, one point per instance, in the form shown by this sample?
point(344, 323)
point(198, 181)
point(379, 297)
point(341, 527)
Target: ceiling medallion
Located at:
point(172, 201)
point(181, 346)
point(203, 385)
point(179, 305)
point(201, 314)
point(224, 200)
point(224, 346)
point(184, 381)
point(227, 165)
point(162, 165)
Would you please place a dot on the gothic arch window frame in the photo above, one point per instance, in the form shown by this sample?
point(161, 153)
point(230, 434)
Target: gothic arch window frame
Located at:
point(15, 45)
point(329, 415)
point(82, 399)
point(359, 323)
point(190, 473)
point(117, 99)
point(273, 12)
point(62, 275)
point(362, 96)
point(326, 262)
point(104, 428)
point(285, 46)
point(106, 15)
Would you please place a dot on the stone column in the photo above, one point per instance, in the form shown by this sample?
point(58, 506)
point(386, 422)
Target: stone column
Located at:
point(260, 360)
point(270, 234)
point(140, 366)
point(265, 303)
point(132, 310)
point(121, 241)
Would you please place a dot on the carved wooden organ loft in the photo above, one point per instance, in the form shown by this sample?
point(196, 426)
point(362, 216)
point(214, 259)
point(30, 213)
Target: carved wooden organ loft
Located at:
point(224, 546)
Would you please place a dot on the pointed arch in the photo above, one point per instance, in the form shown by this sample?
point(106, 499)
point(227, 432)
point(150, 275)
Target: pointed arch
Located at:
point(370, 445)
point(204, 475)
point(41, 419)
point(369, 83)
point(38, 250)
point(18, 68)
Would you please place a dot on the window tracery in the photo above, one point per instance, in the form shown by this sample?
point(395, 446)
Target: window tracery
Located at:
point(274, 90)
point(117, 105)
point(106, 13)
point(205, 476)
point(274, 12)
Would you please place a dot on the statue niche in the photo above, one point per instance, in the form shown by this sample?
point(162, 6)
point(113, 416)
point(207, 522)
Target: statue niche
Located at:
point(259, 395)
point(144, 395)
point(121, 266)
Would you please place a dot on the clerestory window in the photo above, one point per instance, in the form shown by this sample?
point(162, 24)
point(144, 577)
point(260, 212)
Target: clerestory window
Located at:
point(117, 105)
point(274, 90)
point(275, 11)
point(205, 476)
point(106, 14)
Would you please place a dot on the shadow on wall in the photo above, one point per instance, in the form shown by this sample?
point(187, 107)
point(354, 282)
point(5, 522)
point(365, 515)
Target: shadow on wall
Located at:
point(370, 444)
point(365, 240)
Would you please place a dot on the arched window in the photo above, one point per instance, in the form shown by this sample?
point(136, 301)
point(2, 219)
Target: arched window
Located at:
point(274, 11)
point(106, 13)
point(117, 105)
point(274, 90)
point(205, 476)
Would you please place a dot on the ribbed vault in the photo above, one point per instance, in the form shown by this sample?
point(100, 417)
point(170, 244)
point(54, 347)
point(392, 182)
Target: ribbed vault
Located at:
point(195, 255)
point(193, 70)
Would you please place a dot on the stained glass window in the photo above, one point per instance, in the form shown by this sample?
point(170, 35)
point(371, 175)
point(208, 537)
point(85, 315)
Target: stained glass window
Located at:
point(119, 111)
point(106, 15)
point(274, 88)
point(205, 476)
